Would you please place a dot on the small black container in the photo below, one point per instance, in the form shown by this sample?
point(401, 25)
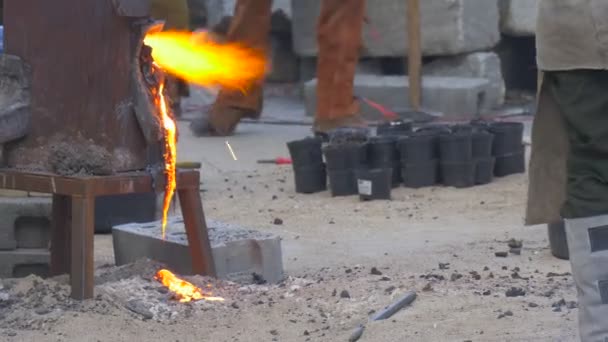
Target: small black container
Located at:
point(382, 151)
point(510, 164)
point(397, 179)
point(374, 184)
point(305, 152)
point(456, 147)
point(345, 156)
point(342, 182)
point(348, 135)
point(482, 144)
point(484, 170)
point(310, 179)
point(420, 174)
point(558, 240)
point(458, 175)
point(395, 128)
point(508, 137)
point(418, 147)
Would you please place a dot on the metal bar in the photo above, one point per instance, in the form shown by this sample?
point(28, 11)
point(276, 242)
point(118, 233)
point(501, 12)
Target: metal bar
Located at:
point(395, 307)
point(61, 235)
point(414, 55)
point(196, 230)
point(83, 229)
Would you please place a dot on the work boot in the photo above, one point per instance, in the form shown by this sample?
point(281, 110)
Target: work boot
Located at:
point(588, 248)
point(324, 127)
point(220, 121)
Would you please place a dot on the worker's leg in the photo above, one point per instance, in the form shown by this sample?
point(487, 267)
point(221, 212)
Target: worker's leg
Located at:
point(339, 41)
point(582, 98)
point(251, 27)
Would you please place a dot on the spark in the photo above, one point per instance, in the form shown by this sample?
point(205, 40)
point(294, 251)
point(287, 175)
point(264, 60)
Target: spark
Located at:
point(231, 150)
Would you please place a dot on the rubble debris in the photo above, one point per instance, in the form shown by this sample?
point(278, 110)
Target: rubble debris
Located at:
point(552, 274)
point(344, 294)
point(487, 293)
point(375, 271)
point(385, 279)
point(515, 292)
point(513, 243)
point(516, 251)
point(258, 279)
point(389, 289)
point(507, 313)
point(140, 308)
point(563, 303)
point(501, 254)
point(427, 288)
point(532, 305)
point(475, 275)
point(455, 276)
point(278, 221)
point(443, 266)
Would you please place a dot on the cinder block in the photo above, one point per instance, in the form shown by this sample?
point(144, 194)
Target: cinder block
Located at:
point(449, 96)
point(24, 222)
point(23, 262)
point(448, 27)
point(477, 65)
point(237, 252)
point(518, 17)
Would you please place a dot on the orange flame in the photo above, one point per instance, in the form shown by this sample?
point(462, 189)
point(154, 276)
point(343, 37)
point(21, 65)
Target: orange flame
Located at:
point(196, 58)
point(170, 155)
point(185, 291)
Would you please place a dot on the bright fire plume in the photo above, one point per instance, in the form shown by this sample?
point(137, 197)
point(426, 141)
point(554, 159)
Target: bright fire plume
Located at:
point(184, 290)
point(196, 58)
point(170, 156)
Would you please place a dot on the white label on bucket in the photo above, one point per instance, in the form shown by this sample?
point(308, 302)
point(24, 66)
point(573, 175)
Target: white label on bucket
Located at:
point(365, 187)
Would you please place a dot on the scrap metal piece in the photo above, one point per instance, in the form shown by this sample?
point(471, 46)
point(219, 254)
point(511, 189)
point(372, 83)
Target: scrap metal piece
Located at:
point(132, 8)
point(392, 309)
point(15, 78)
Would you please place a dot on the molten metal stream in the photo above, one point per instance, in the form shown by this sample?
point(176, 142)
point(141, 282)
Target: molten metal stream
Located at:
point(170, 156)
point(184, 290)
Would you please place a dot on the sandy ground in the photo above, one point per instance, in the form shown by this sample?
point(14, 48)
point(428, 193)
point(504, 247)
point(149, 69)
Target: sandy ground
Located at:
point(440, 242)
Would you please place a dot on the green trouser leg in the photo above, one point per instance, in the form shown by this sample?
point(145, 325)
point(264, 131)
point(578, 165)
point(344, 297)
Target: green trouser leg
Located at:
point(582, 96)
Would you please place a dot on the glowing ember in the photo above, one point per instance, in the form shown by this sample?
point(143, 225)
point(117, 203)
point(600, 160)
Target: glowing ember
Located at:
point(195, 57)
point(170, 156)
point(184, 291)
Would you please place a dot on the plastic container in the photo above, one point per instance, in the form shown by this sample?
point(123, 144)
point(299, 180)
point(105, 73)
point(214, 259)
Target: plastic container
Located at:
point(374, 184)
point(382, 151)
point(397, 179)
point(348, 135)
point(510, 164)
point(482, 144)
point(458, 175)
point(456, 147)
point(558, 240)
point(305, 152)
point(484, 170)
point(420, 174)
point(342, 183)
point(418, 147)
point(310, 179)
point(395, 128)
point(345, 156)
point(508, 137)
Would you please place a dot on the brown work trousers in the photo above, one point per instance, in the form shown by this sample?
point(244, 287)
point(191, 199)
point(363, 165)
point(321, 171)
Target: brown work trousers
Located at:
point(339, 40)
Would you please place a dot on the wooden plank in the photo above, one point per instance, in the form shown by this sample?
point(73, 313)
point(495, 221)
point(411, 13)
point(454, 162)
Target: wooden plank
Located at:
point(196, 230)
point(61, 233)
point(82, 263)
point(414, 56)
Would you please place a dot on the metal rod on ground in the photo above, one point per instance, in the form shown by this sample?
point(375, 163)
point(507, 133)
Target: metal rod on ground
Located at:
point(386, 313)
point(414, 53)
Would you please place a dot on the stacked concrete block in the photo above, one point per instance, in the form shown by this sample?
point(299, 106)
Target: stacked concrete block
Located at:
point(25, 227)
point(238, 253)
point(484, 65)
point(449, 96)
point(518, 17)
point(448, 27)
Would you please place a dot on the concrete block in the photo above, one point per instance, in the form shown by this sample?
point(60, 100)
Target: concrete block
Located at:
point(308, 67)
point(20, 263)
point(450, 96)
point(219, 10)
point(518, 17)
point(285, 63)
point(237, 252)
point(12, 193)
point(484, 65)
point(25, 222)
point(448, 27)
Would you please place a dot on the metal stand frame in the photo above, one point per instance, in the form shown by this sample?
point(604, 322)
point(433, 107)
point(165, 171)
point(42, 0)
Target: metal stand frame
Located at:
point(73, 218)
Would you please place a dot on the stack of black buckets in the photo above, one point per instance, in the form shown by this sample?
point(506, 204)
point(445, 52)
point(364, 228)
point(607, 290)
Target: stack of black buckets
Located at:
point(459, 156)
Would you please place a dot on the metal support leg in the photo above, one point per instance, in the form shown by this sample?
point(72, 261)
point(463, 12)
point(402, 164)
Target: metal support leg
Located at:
point(83, 229)
point(196, 229)
point(61, 235)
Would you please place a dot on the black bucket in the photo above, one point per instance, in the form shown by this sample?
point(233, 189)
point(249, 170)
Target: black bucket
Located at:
point(397, 179)
point(345, 156)
point(305, 152)
point(374, 184)
point(558, 240)
point(482, 144)
point(382, 151)
point(310, 179)
point(484, 170)
point(342, 182)
point(456, 147)
point(418, 147)
point(510, 164)
point(458, 175)
point(420, 174)
point(508, 137)
point(395, 128)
